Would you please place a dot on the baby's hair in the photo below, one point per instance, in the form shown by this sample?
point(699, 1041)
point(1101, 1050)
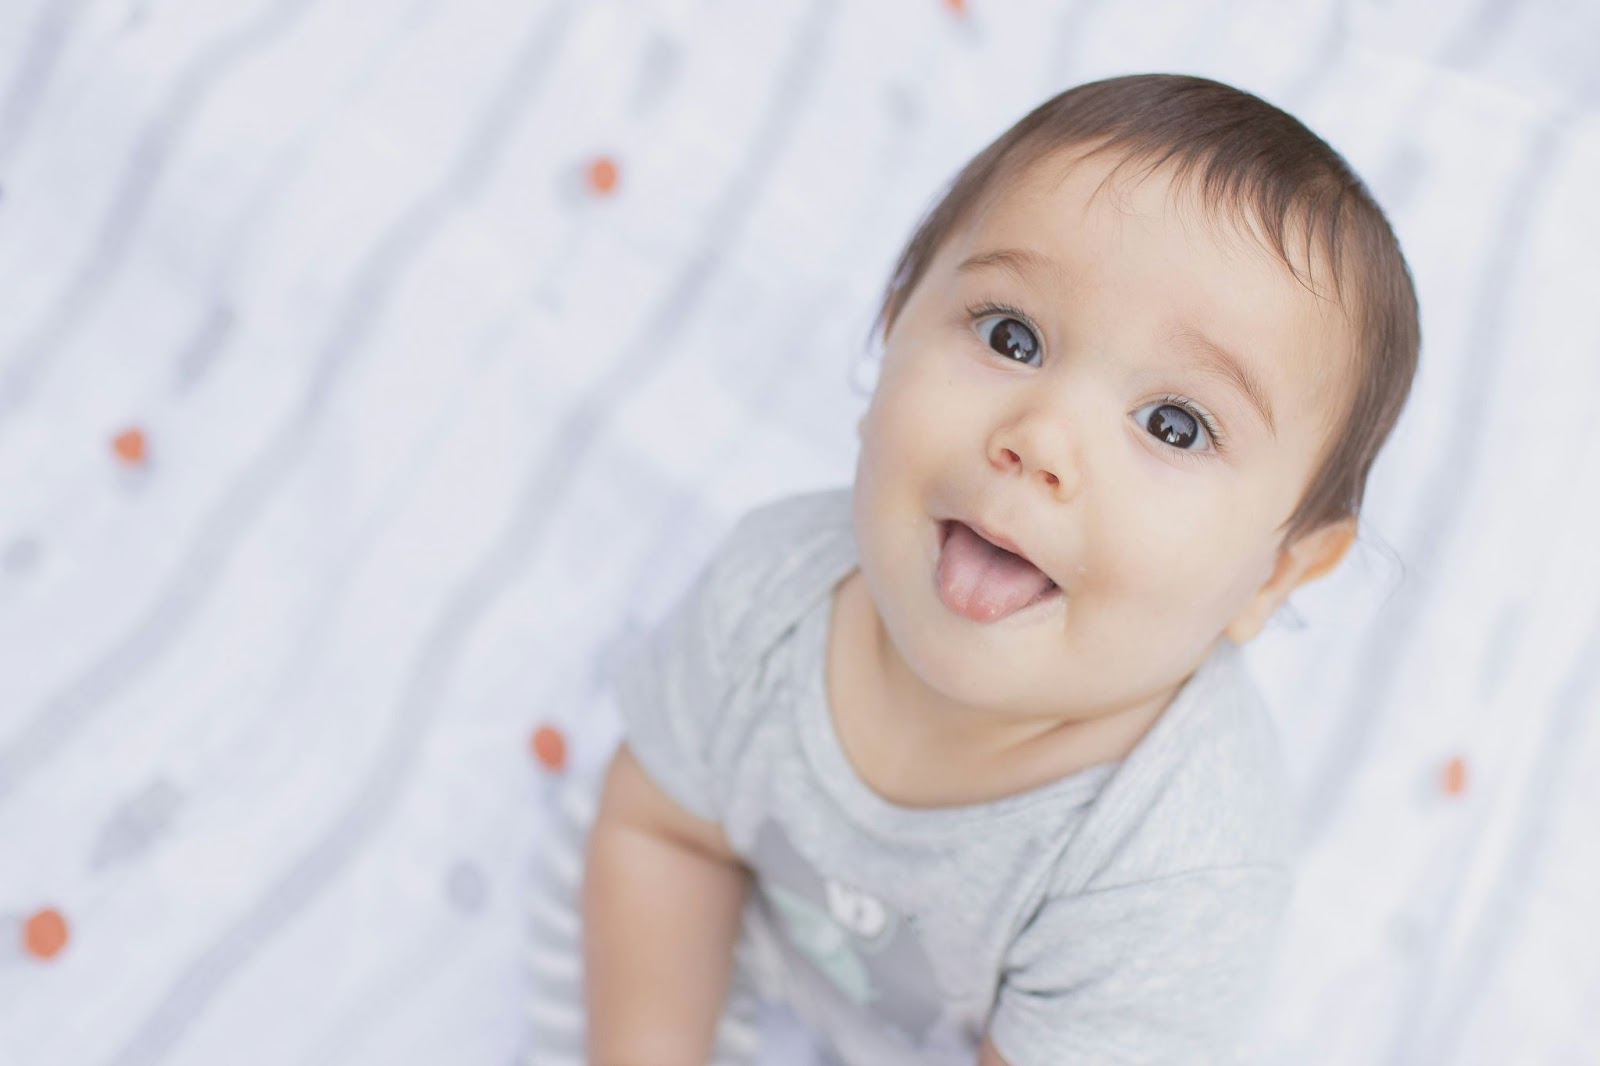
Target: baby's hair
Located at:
point(1259, 168)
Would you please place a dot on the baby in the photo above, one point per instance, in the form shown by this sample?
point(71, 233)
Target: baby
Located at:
point(961, 763)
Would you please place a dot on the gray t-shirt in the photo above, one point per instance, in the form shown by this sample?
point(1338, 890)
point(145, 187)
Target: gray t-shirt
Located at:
point(1122, 914)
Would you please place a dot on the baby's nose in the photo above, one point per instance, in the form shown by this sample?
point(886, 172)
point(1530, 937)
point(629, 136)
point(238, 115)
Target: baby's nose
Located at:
point(1013, 459)
point(1039, 455)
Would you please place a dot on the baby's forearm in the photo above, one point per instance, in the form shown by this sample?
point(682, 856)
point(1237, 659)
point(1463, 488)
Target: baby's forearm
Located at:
point(661, 902)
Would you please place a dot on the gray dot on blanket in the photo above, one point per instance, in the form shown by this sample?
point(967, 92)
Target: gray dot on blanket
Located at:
point(20, 556)
point(137, 824)
point(903, 105)
point(467, 888)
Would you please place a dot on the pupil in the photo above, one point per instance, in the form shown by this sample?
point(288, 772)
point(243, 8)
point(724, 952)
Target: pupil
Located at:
point(1173, 425)
point(1011, 338)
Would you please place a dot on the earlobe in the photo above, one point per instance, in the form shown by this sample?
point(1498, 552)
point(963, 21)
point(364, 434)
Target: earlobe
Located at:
point(1308, 558)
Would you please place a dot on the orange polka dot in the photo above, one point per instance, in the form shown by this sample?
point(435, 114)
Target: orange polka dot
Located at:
point(130, 446)
point(958, 7)
point(550, 747)
point(602, 176)
point(1454, 778)
point(45, 933)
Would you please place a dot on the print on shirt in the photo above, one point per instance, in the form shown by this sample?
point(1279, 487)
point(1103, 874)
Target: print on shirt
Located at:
point(868, 952)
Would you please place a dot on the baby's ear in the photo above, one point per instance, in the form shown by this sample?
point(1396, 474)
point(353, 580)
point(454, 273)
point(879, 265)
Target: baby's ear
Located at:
point(1307, 558)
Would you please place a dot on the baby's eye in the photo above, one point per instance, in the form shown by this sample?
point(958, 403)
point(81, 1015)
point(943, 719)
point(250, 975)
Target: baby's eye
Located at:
point(1173, 424)
point(1011, 338)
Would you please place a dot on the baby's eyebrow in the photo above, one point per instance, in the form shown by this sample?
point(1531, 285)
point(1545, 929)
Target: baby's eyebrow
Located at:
point(1020, 263)
point(1228, 367)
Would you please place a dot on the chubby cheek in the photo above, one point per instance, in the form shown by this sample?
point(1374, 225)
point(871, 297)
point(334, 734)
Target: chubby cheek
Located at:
point(880, 456)
point(907, 426)
point(1165, 566)
point(1146, 621)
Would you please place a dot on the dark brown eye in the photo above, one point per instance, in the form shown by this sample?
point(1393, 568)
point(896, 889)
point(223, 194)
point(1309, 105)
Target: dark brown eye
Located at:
point(1173, 425)
point(1012, 339)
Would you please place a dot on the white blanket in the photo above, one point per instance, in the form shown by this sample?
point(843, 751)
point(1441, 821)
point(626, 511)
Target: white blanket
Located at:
point(367, 367)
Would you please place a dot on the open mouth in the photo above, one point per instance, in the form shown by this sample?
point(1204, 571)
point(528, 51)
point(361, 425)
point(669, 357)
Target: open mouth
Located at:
point(984, 581)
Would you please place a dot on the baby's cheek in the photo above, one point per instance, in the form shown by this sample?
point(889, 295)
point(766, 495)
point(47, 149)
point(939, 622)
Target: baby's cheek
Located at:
point(1149, 583)
point(903, 427)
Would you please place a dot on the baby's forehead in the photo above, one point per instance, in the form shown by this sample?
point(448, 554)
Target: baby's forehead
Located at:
point(1059, 202)
point(1076, 178)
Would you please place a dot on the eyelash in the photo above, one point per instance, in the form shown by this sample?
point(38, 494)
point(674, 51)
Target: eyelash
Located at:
point(985, 310)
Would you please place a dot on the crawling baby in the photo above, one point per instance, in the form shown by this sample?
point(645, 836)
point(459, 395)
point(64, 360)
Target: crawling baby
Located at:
point(960, 763)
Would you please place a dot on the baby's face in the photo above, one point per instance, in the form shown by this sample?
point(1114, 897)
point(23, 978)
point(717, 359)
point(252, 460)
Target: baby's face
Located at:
point(1096, 425)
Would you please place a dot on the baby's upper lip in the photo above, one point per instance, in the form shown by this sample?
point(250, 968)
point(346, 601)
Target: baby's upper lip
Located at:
point(998, 539)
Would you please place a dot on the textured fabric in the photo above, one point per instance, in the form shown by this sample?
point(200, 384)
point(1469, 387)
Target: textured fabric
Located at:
point(1124, 913)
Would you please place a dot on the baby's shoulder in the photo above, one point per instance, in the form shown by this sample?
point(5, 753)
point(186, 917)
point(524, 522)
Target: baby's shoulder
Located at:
point(772, 529)
point(1207, 790)
point(775, 546)
point(775, 561)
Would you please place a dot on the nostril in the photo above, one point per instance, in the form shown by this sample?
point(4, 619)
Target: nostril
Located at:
point(1052, 479)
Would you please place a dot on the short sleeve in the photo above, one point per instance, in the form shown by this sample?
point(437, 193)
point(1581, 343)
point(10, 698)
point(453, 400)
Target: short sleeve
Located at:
point(672, 685)
point(669, 685)
point(1168, 970)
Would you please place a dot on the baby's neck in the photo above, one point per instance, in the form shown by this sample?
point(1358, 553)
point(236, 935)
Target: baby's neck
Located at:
point(917, 750)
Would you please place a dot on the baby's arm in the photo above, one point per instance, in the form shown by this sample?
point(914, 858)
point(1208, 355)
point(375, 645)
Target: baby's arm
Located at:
point(662, 895)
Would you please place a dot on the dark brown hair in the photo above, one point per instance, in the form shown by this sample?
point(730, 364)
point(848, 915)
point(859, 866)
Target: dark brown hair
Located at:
point(1259, 168)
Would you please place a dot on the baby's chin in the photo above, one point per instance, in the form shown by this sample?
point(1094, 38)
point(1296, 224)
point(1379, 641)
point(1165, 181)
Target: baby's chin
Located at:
point(998, 672)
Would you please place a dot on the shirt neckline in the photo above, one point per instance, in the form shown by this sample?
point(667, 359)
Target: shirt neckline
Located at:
point(822, 747)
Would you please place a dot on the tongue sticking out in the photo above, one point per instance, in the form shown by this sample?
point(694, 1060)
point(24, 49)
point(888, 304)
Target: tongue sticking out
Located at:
point(985, 582)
